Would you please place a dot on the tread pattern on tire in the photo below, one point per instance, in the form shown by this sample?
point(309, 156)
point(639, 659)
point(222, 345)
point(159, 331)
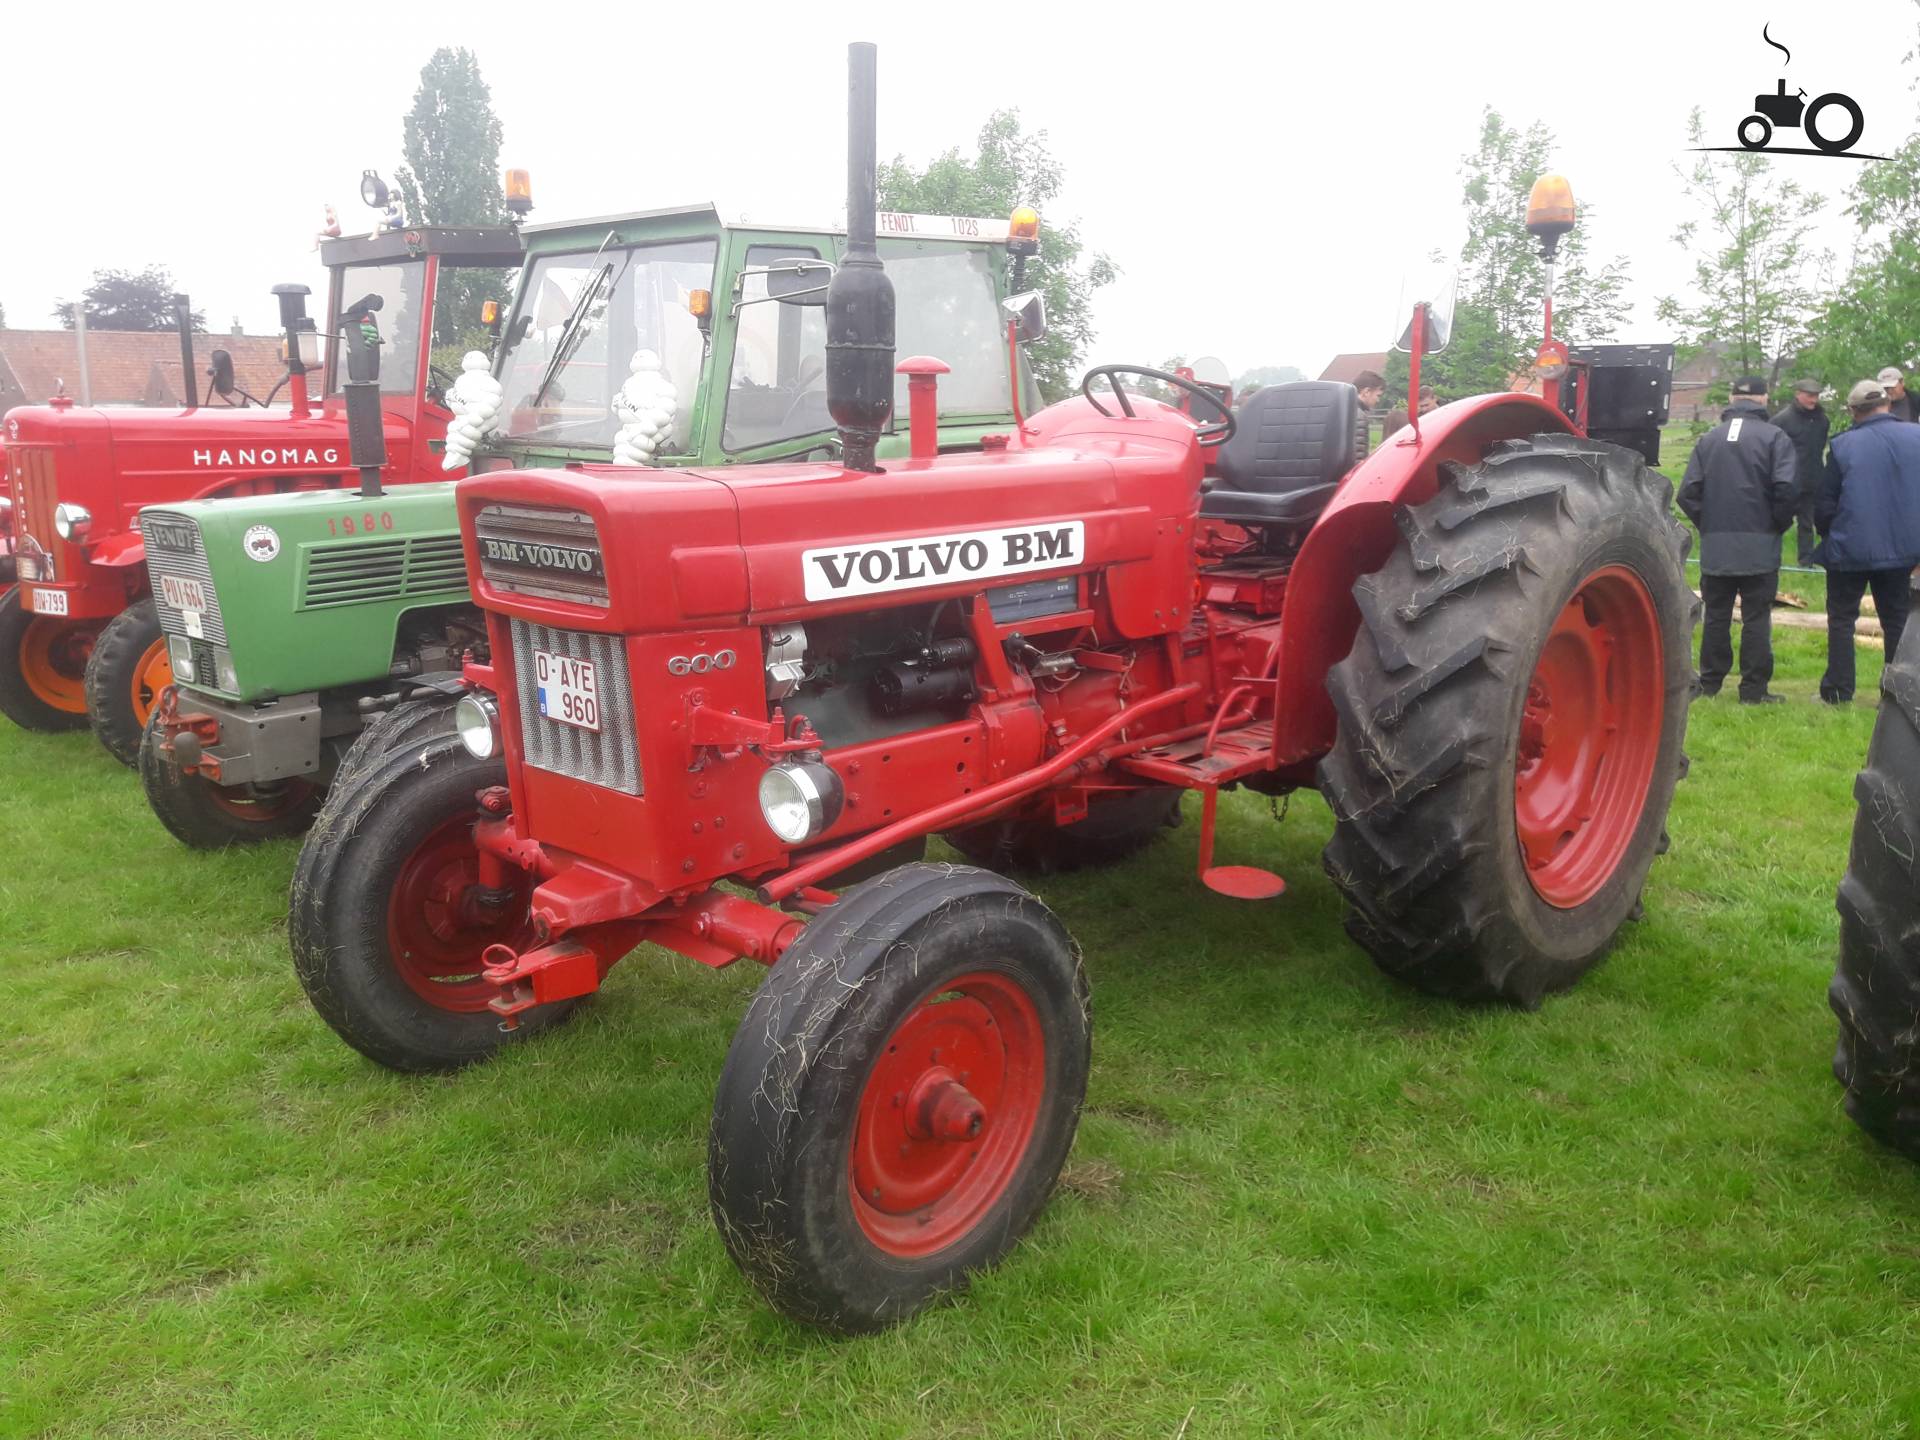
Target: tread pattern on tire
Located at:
point(17, 700)
point(119, 648)
point(1426, 706)
point(185, 806)
point(1876, 983)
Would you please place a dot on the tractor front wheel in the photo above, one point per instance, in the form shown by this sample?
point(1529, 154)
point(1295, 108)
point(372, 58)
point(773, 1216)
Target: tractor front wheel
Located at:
point(125, 675)
point(389, 918)
point(43, 664)
point(1511, 719)
point(900, 1096)
point(1876, 986)
point(207, 816)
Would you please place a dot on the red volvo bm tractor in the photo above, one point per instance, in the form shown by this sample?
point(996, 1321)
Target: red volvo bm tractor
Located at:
point(725, 708)
point(80, 640)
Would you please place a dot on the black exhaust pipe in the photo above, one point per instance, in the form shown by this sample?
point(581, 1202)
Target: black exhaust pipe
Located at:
point(860, 296)
point(190, 379)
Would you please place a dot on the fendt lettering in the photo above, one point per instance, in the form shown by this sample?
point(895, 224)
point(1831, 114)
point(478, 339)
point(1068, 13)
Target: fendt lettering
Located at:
point(939, 559)
point(543, 557)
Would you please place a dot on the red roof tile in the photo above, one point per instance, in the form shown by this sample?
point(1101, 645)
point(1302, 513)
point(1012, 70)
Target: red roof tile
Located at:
point(1344, 367)
point(127, 367)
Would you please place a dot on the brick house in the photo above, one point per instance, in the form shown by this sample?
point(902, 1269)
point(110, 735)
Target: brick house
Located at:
point(126, 367)
point(1345, 366)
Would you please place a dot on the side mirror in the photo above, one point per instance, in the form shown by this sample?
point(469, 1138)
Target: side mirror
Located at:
point(799, 282)
point(221, 373)
point(1438, 329)
point(1028, 310)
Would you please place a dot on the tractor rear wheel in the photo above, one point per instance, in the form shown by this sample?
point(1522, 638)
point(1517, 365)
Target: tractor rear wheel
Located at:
point(207, 816)
point(43, 664)
point(388, 919)
point(125, 675)
point(1114, 828)
point(1511, 719)
point(1876, 986)
point(899, 1096)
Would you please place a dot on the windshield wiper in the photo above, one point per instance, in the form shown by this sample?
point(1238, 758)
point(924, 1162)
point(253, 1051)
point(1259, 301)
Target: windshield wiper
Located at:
point(573, 332)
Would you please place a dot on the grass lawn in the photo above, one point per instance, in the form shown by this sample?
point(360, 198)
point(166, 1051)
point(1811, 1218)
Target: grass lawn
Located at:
point(1303, 1201)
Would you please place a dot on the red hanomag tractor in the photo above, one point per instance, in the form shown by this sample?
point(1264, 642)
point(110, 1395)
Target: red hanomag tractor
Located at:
point(80, 640)
point(732, 705)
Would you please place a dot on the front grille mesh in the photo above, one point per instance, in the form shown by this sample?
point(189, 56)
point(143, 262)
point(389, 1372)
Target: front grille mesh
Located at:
point(609, 758)
point(365, 571)
point(33, 472)
point(175, 547)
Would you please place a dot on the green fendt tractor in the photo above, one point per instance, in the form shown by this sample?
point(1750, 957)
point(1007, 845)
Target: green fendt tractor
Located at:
point(294, 620)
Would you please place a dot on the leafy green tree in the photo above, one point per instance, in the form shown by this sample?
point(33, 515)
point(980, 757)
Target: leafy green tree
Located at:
point(452, 176)
point(128, 300)
point(1871, 318)
point(1752, 296)
point(1007, 167)
point(1263, 375)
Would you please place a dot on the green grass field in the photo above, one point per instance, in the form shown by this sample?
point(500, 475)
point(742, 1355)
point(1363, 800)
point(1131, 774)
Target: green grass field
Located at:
point(1303, 1201)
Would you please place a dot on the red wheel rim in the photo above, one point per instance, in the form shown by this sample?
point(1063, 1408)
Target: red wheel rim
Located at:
point(151, 675)
point(1589, 737)
point(439, 920)
point(257, 806)
point(947, 1114)
point(53, 661)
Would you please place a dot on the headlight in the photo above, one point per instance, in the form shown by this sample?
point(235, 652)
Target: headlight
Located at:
point(180, 656)
point(70, 522)
point(223, 670)
point(477, 721)
point(799, 799)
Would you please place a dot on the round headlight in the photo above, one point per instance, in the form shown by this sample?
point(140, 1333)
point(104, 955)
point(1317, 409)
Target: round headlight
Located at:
point(799, 799)
point(477, 721)
point(70, 522)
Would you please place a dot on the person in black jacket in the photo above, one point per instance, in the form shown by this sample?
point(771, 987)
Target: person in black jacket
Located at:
point(1869, 517)
point(1899, 403)
point(1740, 493)
point(1806, 424)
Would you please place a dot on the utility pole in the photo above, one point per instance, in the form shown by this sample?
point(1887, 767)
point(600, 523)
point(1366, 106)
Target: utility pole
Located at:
point(80, 344)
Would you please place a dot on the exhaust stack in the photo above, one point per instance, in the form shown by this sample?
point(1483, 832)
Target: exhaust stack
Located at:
point(189, 371)
point(860, 296)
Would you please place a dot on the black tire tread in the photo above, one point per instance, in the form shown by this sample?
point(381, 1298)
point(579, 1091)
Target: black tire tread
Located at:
point(184, 804)
point(116, 652)
point(17, 700)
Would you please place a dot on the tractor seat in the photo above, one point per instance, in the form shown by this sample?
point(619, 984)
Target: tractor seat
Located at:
point(1293, 446)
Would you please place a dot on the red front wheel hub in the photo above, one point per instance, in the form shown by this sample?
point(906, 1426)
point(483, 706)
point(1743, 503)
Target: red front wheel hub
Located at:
point(441, 919)
point(947, 1114)
point(1589, 737)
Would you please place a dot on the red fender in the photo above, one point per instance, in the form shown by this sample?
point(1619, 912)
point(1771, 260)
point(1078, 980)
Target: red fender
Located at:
point(1355, 534)
point(119, 551)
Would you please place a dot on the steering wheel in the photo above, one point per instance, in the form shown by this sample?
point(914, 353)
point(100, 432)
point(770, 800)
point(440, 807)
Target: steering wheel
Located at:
point(438, 393)
point(1214, 432)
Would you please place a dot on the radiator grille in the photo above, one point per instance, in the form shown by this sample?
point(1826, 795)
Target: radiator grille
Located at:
point(357, 572)
point(610, 757)
point(549, 554)
point(33, 473)
point(175, 547)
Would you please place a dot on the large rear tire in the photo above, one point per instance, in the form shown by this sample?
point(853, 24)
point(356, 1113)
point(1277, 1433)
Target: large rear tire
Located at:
point(1511, 720)
point(1113, 829)
point(43, 662)
point(1876, 985)
point(126, 674)
point(899, 1096)
point(388, 920)
point(206, 816)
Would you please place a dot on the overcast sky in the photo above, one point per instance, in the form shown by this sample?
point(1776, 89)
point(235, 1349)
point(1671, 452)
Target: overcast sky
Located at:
point(1263, 175)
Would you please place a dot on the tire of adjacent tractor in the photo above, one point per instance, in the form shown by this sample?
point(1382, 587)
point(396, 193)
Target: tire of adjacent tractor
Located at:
point(42, 667)
point(1113, 829)
point(900, 1096)
point(407, 723)
point(1511, 720)
point(206, 816)
point(387, 923)
point(1876, 985)
point(125, 675)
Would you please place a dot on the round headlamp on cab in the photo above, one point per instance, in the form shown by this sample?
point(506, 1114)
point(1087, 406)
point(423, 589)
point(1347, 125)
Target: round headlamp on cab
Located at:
point(373, 191)
point(71, 522)
point(476, 719)
point(800, 798)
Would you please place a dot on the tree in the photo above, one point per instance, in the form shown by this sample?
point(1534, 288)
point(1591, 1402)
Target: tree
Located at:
point(1500, 295)
point(128, 300)
point(1858, 336)
point(1010, 167)
point(1263, 375)
point(452, 177)
point(1751, 296)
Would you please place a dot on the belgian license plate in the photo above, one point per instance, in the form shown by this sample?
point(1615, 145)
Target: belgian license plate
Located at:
point(568, 689)
point(189, 599)
point(49, 602)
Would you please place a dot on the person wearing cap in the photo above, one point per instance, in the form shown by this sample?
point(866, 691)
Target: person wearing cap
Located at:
point(1805, 421)
point(1869, 520)
point(1740, 493)
point(1900, 405)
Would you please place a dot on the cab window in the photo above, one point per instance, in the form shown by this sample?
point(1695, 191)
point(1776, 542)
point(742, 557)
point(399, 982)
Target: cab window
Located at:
point(398, 289)
point(946, 305)
point(778, 387)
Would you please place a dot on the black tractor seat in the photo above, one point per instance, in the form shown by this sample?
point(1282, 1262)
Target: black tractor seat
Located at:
point(1294, 445)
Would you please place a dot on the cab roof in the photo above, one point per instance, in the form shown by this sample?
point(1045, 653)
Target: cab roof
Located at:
point(454, 244)
point(892, 225)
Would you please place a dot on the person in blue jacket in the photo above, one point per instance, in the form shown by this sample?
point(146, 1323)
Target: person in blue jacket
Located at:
point(1868, 516)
